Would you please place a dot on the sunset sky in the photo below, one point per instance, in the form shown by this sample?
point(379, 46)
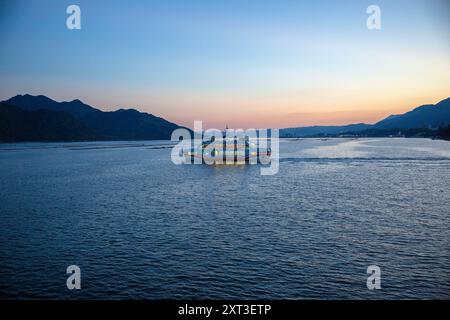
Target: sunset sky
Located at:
point(244, 63)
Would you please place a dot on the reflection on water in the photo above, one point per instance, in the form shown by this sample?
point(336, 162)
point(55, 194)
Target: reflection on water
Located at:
point(141, 227)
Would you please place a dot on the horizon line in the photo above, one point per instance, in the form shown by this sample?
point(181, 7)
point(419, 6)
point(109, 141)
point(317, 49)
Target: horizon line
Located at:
point(190, 127)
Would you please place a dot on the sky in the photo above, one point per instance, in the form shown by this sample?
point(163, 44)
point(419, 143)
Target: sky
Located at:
point(245, 63)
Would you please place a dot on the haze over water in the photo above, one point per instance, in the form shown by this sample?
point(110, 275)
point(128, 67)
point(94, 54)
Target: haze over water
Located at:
point(140, 227)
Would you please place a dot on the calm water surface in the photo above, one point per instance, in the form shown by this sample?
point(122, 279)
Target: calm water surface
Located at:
point(140, 227)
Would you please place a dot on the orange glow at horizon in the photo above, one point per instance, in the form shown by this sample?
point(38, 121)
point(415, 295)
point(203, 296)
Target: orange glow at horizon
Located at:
point(273, 114)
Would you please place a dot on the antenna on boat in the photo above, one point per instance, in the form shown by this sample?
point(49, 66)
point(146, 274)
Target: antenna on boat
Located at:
point(225, 131)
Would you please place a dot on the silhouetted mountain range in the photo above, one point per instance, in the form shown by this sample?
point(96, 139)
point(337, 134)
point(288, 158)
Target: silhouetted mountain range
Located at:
point(32, 103)
point(427, 117)
point(323, 130)
point(39, 118)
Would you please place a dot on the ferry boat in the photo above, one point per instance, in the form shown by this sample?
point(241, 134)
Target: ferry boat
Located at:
point(235, 150)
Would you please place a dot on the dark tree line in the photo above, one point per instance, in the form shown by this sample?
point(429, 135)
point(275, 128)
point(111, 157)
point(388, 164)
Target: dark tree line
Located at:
point(444, 133)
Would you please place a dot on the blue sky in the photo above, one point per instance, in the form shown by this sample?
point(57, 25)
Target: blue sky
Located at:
point(245, 63)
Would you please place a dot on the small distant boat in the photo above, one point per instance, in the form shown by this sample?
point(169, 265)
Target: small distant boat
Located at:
point(234, 151)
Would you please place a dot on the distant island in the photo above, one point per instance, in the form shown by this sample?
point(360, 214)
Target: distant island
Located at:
point(431, 121)
point(39, 118)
